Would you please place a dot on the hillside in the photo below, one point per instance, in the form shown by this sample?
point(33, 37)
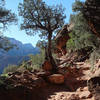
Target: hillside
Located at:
point(17, 54)
point(29, 84)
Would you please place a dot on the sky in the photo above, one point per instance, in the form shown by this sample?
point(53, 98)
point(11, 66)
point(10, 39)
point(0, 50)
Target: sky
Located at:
point(14, 31)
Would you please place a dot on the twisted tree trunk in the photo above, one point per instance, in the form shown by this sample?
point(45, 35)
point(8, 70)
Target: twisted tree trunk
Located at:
point(49, 53)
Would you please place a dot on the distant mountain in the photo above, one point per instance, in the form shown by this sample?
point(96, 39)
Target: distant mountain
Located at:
point(17, 54)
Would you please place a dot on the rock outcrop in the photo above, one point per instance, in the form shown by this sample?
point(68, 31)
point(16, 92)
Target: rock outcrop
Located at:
point(62, 37)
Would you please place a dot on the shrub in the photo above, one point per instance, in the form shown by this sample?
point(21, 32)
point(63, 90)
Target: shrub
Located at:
point(10, 68)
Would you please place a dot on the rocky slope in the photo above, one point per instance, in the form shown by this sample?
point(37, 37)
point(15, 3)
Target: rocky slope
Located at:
point(69, 83)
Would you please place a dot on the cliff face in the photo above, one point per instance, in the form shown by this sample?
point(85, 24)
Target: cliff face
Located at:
point(92, 14)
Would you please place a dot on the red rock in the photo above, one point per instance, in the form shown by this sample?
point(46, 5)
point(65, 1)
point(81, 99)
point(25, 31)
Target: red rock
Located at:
point(47, 65)
point(56, 78)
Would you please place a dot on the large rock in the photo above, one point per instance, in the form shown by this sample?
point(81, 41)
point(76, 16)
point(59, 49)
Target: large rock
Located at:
point(56, 78)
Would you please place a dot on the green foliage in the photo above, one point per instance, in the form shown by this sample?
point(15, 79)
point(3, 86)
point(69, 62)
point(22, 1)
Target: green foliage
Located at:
point(5, 43)
point(41, 44)
point(10, 68)
point(81, 36)
point(70, 44)
point(78, 6)
point(6, 18)
point(39, 16)
point(4, 84)
point(38, 59)
point(2, 80)
point(95, 55)
point(35, 62)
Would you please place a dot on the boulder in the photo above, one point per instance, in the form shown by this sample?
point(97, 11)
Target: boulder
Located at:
point(56, 79)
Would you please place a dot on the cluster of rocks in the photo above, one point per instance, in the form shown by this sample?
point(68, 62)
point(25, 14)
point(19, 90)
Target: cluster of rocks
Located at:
point(24, 79)
point(40, 79)
point(31, 80)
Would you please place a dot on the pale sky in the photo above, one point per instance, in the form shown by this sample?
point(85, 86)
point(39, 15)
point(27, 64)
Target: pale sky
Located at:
point(14, 30)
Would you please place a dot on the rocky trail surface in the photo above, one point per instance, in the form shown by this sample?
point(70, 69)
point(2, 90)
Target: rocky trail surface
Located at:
point(79, 84)
point(70, 83)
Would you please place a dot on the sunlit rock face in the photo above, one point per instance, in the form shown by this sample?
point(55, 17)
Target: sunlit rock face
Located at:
point(62, 37)
point(92, 14)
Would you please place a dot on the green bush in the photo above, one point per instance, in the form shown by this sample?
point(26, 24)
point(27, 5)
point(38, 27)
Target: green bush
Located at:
point(10, 68)
point(81, 36)
point(37, 59)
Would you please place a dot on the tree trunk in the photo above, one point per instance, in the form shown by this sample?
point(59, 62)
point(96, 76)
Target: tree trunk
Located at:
point(50, 57)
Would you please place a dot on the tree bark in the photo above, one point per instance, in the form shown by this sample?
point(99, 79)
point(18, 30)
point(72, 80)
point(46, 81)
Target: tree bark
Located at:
point(49, 53)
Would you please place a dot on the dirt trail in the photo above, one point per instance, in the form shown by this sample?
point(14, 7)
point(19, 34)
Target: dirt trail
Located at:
point(74, 87)
point(81, 93)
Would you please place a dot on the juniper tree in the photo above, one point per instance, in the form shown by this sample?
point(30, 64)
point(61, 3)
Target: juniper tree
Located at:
point(38, 17)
